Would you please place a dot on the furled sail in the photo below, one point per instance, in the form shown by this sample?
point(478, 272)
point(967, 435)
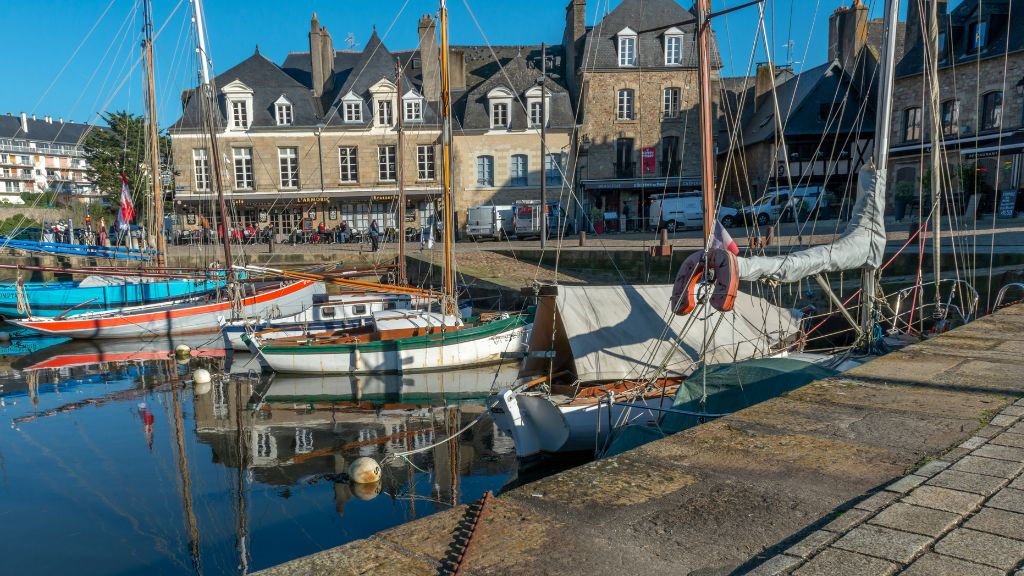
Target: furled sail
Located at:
point(862, 244)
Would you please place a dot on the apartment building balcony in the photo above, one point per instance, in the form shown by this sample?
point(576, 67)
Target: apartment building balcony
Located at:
point(12, 162)
point(21, 177)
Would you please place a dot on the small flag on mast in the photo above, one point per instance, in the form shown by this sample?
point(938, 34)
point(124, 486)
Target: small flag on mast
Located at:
point(127, 212)
point(722, 239)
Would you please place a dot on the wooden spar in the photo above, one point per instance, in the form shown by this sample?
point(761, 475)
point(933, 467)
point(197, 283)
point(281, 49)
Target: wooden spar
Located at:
point(191, 523)
point(448, 305)
point(706, 149)
point(208, 96)
point(357, 284)
point(932, 54)
point(403, 278)
point(154, 140)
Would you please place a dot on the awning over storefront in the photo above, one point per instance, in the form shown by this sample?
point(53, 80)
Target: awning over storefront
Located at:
point(309, 196)
point(1005, 143)
point(662, 183)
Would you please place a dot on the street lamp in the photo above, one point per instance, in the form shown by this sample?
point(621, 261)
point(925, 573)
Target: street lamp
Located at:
point(320, 161)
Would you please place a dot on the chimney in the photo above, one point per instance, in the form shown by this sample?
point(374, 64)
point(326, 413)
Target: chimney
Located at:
point(321, 56)
point(429, 65)
point(847, 34)
point(61, 120)
point(24, 123)
point(572, 39)
point(763, 81)
point(917, 22)
point(49, 120)
point(33, 117)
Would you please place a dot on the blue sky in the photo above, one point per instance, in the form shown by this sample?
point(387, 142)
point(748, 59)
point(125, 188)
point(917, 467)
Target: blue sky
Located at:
point(79, 57)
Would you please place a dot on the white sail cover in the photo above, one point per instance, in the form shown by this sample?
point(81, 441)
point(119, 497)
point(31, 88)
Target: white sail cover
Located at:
point(863, 242)
point(628, 331)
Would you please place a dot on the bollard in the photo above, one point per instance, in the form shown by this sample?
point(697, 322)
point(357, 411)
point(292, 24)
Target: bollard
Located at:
point(583, 237)
point(270, 243)
point(663, 239)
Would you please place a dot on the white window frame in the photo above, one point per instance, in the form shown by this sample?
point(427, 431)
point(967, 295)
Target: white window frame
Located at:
point(553, 169)
point(671, 102)
point(288, 161)
point(627, 48)
point(387, 170)
point(673, 47)
point(385, 112)
point(244, 175)
point(533, 101)
point(201, 169)
point(412, 107)
point(352, 105)
point(425, 163)
point(283, 112)
point(625, 104)
point(239, 114)
point(348, 164)
point(238, 99)
point(498, 99)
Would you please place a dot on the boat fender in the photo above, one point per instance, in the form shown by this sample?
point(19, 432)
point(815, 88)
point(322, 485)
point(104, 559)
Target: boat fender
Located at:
point(725, 283)
point(357, 359)
point(364, 470)
point(201, 381)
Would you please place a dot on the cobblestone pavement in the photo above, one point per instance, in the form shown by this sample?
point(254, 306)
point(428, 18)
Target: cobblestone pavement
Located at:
point(961, 514)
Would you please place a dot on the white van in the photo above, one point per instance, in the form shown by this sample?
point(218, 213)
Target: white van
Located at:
point(489, 222)
point(685, 210)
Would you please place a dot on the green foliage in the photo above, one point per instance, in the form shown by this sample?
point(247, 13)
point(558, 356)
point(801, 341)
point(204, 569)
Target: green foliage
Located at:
point(16, 223)
point(904, 192)
point(121, 148)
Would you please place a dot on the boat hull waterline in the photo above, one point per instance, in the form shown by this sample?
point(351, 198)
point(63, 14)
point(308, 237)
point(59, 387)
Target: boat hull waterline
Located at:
point(490, 343)
point(183, 317)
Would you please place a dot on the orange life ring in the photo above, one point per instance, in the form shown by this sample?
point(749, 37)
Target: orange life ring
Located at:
point(725, 286)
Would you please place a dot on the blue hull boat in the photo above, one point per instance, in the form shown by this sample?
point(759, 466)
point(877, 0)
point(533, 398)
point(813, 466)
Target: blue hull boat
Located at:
point(49, 299)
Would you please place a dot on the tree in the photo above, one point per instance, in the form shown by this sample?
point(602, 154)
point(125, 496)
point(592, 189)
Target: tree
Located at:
point(121, 148)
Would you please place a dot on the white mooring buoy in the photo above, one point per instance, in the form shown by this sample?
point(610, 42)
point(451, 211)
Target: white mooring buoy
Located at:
point(182, 351)
point(201, 381)
point(364, 470)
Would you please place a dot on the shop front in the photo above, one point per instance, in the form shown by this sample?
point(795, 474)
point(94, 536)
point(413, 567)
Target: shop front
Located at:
point(624, 204)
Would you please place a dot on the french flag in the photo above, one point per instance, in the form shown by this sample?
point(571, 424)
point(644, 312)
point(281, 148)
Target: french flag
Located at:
point(722, 239)
point(127, 212)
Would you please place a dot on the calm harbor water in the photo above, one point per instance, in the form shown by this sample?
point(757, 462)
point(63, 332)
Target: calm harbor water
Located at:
point(113, 462)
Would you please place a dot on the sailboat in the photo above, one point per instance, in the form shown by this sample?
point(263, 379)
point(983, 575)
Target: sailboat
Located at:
point(190, 315)
point(400, 341)
point(706, 291)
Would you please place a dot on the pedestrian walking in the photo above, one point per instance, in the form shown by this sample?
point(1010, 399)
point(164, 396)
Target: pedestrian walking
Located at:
point(374, 236)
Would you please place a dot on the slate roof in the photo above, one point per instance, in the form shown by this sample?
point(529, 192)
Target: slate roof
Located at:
point(650, 19)
point(1002, 16)
point(42, 131)
point(268, 83)
point(298, 66)
point(518, 77)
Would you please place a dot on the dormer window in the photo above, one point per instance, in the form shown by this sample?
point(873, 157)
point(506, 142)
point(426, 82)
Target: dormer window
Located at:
point(977, 35)
point(500, 102)
point(385, 115)
point(283, 112)
point(352, 106)
point(412, 107)
point(239, 114)
point(536, 108)
point(627, 47)
point(238, 100)
point(673, 47)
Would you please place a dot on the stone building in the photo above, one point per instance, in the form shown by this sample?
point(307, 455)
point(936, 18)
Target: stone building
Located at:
point(42, 155)
point(827, 113)
point(315, 140)
point(634, 75)
point(981, 111)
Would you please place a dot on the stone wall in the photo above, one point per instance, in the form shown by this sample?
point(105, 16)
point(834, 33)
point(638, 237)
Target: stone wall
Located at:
point(601, 127)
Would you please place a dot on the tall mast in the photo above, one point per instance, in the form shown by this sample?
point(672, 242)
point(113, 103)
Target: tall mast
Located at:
point(154, 138)
point(449, 306)
point(936, 181)
point(706, 149)
point(211, 102)
point(543, 147)
point(883, 120)
point(403, 277)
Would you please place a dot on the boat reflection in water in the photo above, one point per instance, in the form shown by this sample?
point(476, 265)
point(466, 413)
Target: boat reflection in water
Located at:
point(113, 442)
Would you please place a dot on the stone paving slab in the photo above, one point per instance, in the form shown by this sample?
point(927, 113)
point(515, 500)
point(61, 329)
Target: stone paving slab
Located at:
point(1009, 439)
point(916, 519)
point(932, 564)
point(738, 493)
point(982, 548)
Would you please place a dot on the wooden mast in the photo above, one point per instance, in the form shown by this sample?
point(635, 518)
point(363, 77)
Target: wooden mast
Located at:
point(936, 158)
point(154, 138)
point(211, 102)
point(706, 148)
point(448, 222)
point(403, 276)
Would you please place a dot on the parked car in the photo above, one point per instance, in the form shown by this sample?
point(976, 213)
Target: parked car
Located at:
point(489, 221)
point(783, 204)
point(685, 210)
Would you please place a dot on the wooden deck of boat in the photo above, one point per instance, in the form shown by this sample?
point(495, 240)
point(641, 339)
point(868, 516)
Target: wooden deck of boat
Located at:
point(719, 498)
